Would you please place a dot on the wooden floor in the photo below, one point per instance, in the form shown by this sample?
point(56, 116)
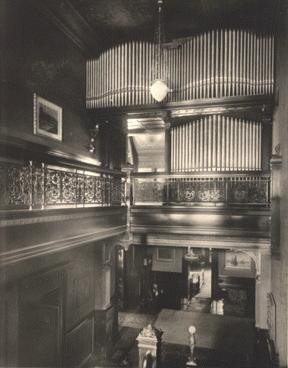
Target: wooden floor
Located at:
point(221, 333)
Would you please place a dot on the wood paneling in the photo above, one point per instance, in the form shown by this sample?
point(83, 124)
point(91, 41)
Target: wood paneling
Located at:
point(79, 343)
point(214, 222)
point(36, 233)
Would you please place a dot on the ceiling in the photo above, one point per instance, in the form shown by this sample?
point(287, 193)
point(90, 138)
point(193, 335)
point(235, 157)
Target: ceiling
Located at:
point(120, 20)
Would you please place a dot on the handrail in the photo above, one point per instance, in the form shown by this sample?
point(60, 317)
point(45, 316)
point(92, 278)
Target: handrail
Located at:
point(204, 189)
point(195, 174)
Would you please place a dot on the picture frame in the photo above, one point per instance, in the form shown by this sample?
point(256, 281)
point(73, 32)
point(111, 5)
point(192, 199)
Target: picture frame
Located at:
point(236, 264)
point(237, 261)
point(47, 118)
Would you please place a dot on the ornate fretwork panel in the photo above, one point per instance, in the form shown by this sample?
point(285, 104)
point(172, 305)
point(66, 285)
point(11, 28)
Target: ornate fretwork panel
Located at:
point(248, 190)
point(36, 185)
point(196, 191)
point(214, 190)
point(15, 186)
point(148, 191)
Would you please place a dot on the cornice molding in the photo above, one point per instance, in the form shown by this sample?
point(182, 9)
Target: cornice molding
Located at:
point(257, 107)
point(159, 230)
point(31, 217)
point(202, 241)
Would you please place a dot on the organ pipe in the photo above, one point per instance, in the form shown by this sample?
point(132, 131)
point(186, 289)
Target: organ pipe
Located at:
point(214, 143)
point(218, 63)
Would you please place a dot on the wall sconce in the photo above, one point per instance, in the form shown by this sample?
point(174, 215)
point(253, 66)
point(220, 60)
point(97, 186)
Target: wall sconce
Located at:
point(94, 132)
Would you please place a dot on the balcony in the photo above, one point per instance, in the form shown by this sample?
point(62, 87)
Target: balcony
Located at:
point(211, 210)
point(48, 208)
point(202, 190)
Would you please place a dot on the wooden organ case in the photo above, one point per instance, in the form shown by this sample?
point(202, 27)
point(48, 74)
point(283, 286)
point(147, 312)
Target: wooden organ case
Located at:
point(217, 116)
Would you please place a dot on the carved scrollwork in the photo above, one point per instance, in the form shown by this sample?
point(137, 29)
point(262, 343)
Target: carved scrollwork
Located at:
point(52, 187)
point(187, 190)
point(89, 194)
point(35, 185)
point(69, 193)
point(152, 191)
point(197, 191)
point(248, 191)
point(17, 187)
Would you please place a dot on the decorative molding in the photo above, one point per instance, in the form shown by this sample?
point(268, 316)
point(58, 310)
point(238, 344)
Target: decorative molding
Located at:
point(248, 107)
point(276, 161)
point(200, 230)
point(16, 218)
point(202, 241)
point(41, 249)
point(149, 332)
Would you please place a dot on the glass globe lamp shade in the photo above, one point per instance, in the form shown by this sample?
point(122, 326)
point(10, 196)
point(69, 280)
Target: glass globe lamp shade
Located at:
point(159, 90)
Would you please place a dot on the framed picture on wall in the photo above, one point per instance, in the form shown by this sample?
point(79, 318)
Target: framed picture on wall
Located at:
point(236, 264)
point(237, 260)
point(47, 118)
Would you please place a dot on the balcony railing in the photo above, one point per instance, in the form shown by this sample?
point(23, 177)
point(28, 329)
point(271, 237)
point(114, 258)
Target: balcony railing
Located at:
point(36, 185)
point(224, 190)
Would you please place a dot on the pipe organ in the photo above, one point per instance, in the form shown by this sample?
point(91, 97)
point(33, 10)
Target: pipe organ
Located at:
point(215, 64)
point(216, 143)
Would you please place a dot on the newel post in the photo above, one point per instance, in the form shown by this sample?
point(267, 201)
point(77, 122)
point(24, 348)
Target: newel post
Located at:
point(149, 347)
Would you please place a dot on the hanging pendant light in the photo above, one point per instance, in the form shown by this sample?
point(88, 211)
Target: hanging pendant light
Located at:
point(159, 88)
